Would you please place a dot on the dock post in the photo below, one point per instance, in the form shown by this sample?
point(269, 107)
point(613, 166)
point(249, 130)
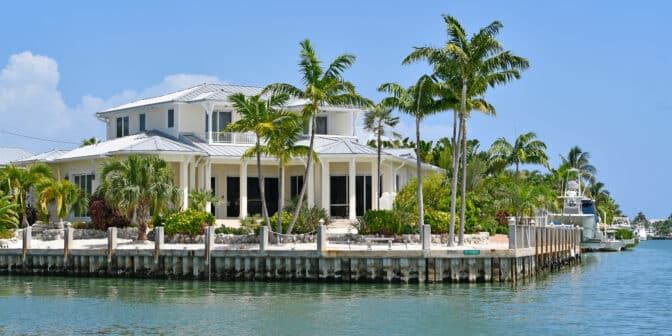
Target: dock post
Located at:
point(27, 238)
point(263, 239)
point(67, 243)
point(111, 242)
point(321, 240)
point(512, 236)
point(209, 243)
point(426, 238)
point(159, 237)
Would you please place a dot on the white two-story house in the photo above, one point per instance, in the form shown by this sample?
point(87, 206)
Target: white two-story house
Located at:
point(186, 127)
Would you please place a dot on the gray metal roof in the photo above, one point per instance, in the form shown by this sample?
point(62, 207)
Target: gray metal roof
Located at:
point(338, 145)
point(42, 157)
point(9, 154)
point(216, 92)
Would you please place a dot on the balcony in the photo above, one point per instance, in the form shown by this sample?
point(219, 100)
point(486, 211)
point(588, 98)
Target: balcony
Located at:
point(247, 138)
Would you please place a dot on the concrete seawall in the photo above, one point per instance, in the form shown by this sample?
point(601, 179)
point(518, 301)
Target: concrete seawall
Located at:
point(532, 250)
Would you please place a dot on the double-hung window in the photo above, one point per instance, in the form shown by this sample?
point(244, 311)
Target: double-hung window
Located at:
point(85, 183)
point(296, 183)
point(321, 125)
point(122, 126)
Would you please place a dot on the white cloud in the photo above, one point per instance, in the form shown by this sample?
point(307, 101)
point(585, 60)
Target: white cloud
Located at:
point(31, 102)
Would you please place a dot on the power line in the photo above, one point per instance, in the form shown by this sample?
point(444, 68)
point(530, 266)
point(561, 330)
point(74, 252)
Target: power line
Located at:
point(37, 138)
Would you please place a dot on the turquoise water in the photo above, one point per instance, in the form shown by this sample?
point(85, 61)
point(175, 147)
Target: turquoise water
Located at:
point(610, 293)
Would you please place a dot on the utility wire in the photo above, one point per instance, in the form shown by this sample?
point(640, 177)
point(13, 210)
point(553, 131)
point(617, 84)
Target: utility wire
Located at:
point(38, 138)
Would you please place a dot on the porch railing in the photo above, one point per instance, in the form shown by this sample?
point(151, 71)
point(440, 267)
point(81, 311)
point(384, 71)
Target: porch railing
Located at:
point(231, 137)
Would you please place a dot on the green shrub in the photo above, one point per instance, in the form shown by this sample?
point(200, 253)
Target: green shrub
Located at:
point(251, 221)
point(624, 234)
point(438, 220)
point(81, 225)
point(235, 231)
point(191, 222)
point(6, 234)
point(384, 222)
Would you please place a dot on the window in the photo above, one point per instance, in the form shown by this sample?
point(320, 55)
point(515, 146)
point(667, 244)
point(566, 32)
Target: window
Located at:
point(171, 118)
point(142, 122)
point(122, 126)
point(295, 185)
point(220, 120)
point(321, 123)
point(397, 182)
point(85, 183)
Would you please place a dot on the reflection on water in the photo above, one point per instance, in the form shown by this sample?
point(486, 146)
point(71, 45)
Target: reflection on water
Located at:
point(620, 293)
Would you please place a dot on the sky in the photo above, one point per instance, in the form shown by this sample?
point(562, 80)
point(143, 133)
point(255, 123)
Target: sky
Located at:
point(598, 77)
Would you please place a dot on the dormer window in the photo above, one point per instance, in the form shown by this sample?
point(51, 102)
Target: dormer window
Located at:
point(142, 122)
point(122, 126)
point(171, 118)
point(321, 125)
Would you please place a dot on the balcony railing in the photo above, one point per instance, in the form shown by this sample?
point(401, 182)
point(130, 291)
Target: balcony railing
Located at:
point(232, 138)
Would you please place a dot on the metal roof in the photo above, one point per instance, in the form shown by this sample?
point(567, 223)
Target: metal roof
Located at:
point(9, 154)
point(42, 157)
point(217, 92)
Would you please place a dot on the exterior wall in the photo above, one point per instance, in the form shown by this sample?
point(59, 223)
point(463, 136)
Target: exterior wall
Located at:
point(339, 123)
point(192, 119)
point(156, 118)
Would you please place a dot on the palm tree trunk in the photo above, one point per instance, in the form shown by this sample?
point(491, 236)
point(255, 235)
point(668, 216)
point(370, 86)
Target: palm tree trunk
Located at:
point(421, 207)
point(463, 199)
point(453, 189)
point(309, 163)
point(141, 218)
point(264, 210)
point(377, 196)
point(281, 198)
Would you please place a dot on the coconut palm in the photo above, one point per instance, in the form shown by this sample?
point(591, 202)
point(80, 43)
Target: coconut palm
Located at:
point(64, 193)
point(579, 160)
point(9, 217)
point(20, 180)
point(418, 101)
point(376, 121)
point(137, 185)
point(525, 150)
point(471, 65)
point(260, 117)
point(321, 87)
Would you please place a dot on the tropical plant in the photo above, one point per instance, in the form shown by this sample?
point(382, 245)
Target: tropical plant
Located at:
point(525, 150)
point(376, 121)
point(469, 66)
point(89, 141)
point(417, 101)
point(321, 87)
point(260, 117)
point(20, 180)
point(64, 193)
point(579, 160)
point(137, 185)
point(198, 199)
point(104, 215)
point(9, 217)
point(190, 222)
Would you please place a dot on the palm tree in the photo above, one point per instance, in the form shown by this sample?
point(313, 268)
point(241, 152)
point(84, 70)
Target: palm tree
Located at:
point(199, 198)
point(524, 150)
point(138, 184)
point(65, 193)
point(89, 141)
point(9, 217)
point(470, 65)
point(579, 160)
point(376, 121)
point(260, 117)
point(281, 143)
point(19, 182)
point(418, 101)
point(322, 87)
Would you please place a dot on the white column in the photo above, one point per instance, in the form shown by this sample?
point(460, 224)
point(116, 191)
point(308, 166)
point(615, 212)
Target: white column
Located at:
point(192, 174)
point(201, 180)
point(352, 199)
point(207, 175)
point(311, 186)
point(184, 185)
point(243, 189)
point(374, 185)
point(325, 187)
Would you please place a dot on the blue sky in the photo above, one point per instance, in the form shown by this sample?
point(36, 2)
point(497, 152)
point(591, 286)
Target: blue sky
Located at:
point(598, 76)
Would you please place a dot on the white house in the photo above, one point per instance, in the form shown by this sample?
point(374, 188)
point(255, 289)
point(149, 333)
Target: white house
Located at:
point(185, 129)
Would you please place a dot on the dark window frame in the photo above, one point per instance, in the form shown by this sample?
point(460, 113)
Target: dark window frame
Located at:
point(171, 118)
point(142, 122)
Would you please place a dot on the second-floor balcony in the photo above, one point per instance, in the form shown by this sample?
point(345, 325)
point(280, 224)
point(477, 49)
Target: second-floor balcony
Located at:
point(247, 138)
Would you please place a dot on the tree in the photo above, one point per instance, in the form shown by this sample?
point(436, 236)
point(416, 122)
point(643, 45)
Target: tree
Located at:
point(64, 193)
point(579, 160)
point(19, 182)
point(9, 217)
point(321, 87)
point(198, 199)
point(260, 117)
point(137, 185)
point(417, 101)
point(525, 150)
point(89, 141)
point(376, 121)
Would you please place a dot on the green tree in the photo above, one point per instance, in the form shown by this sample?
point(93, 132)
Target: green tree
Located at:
point(376, 121)
point(137, 185)
point(321, 87)
point(89, 141)
point(20, 180)
point(9, 216)
point(417, 101)
point(579, 160)
point(198, 199)
point(64, 193)
point(525, 150)
point(470, 65)
point(260, 117)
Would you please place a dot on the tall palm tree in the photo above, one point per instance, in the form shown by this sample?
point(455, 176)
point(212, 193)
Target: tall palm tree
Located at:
point(526, 149)
point(376, 121)
point(470, 64)
point(418, 101)
point(20, 180)
point(65, 193)
point(89, 141)
point(580, 160)
point(137, 185)
point(261, 117)
point(9, 216)
point(321, 87)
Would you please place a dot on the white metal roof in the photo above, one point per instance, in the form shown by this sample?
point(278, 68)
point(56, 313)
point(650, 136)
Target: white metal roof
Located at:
point(42, 157)
point(9, 154)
